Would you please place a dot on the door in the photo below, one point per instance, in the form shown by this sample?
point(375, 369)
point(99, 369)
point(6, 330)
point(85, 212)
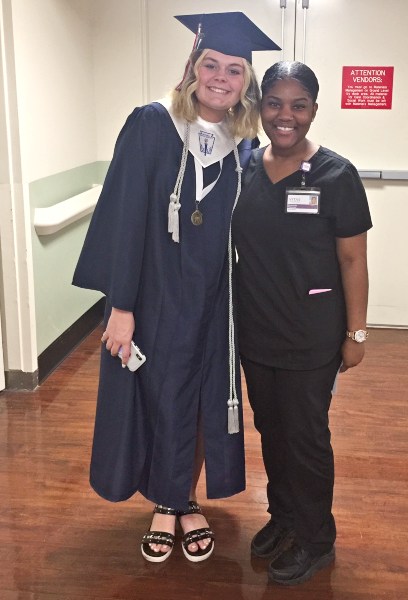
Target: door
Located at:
point(330, 35)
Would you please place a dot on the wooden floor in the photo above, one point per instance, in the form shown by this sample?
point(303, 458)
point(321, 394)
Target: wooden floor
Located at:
point(59, 541)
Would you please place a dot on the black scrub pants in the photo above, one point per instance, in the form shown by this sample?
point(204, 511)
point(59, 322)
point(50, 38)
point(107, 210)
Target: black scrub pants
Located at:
point(291, 414)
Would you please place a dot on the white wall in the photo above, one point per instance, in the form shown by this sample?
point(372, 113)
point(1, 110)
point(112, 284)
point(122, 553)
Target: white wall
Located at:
point(55, 87)
point(120, 80)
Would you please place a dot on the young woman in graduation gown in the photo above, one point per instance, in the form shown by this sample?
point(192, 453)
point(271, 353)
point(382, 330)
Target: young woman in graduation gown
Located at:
point(158, 248)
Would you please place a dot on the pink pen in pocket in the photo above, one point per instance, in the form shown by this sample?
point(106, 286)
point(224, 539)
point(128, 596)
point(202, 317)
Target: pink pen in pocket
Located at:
point(319, 291)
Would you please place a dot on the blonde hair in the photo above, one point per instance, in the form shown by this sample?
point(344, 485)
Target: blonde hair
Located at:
point(243, 118)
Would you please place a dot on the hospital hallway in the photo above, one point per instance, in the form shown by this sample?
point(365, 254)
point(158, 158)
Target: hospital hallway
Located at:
point(60, 541)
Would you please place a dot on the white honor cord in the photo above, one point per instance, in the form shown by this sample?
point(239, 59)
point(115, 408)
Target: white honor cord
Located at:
point(173, 228)
point(174, 205)
point(233, 412)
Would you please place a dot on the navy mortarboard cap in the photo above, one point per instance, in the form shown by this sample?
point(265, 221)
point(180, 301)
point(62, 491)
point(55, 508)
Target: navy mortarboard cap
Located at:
point(229, 32)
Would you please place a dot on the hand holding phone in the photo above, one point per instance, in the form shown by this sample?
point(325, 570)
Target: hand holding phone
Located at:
point(136, 358)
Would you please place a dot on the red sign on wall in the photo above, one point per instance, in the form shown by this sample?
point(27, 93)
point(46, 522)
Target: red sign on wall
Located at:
point(367, 87)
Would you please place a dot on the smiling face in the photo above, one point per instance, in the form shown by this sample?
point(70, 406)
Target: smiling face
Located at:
point(287, 112)
point(220, 82)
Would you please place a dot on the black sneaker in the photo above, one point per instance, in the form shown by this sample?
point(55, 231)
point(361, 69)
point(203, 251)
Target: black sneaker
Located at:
point(297, 565)
point(272, 540)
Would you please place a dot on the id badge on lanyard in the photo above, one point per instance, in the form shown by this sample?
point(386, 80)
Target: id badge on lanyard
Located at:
point(303, 200)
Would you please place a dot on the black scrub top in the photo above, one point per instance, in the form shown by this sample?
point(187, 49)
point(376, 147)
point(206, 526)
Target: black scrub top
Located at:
point(283, 256)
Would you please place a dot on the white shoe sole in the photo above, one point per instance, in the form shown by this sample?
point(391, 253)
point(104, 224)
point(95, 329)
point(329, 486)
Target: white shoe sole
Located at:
point(200, 557)
point(155, 559)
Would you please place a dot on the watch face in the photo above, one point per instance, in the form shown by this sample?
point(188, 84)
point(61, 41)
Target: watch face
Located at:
point(360, 336)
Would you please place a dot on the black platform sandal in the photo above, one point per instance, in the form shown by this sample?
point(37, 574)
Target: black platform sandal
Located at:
point(158, 537)
point(195, 536)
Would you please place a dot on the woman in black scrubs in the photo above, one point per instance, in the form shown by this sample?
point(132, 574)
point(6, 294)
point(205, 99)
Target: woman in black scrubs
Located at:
point(300, 231)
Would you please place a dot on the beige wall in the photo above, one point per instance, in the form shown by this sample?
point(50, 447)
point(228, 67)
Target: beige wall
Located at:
point(55, 86)
point(119, 38)
point(81, 66)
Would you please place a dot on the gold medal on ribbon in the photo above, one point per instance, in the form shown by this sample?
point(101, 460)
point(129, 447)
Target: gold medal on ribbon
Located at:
point(197, 218)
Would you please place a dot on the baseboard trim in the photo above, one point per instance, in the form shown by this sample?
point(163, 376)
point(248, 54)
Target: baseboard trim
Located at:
point(19, 380)
point(52, 356)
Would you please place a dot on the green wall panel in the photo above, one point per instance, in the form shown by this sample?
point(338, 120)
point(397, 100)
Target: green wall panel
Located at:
point(58, 303)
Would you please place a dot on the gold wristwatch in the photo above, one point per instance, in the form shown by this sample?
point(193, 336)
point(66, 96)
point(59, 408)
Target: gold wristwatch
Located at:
point(358, 336)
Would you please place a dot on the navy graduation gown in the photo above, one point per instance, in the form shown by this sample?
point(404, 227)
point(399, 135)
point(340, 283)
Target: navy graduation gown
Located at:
point(146, 422)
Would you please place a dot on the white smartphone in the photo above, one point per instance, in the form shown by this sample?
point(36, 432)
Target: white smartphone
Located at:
point(136, 358)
